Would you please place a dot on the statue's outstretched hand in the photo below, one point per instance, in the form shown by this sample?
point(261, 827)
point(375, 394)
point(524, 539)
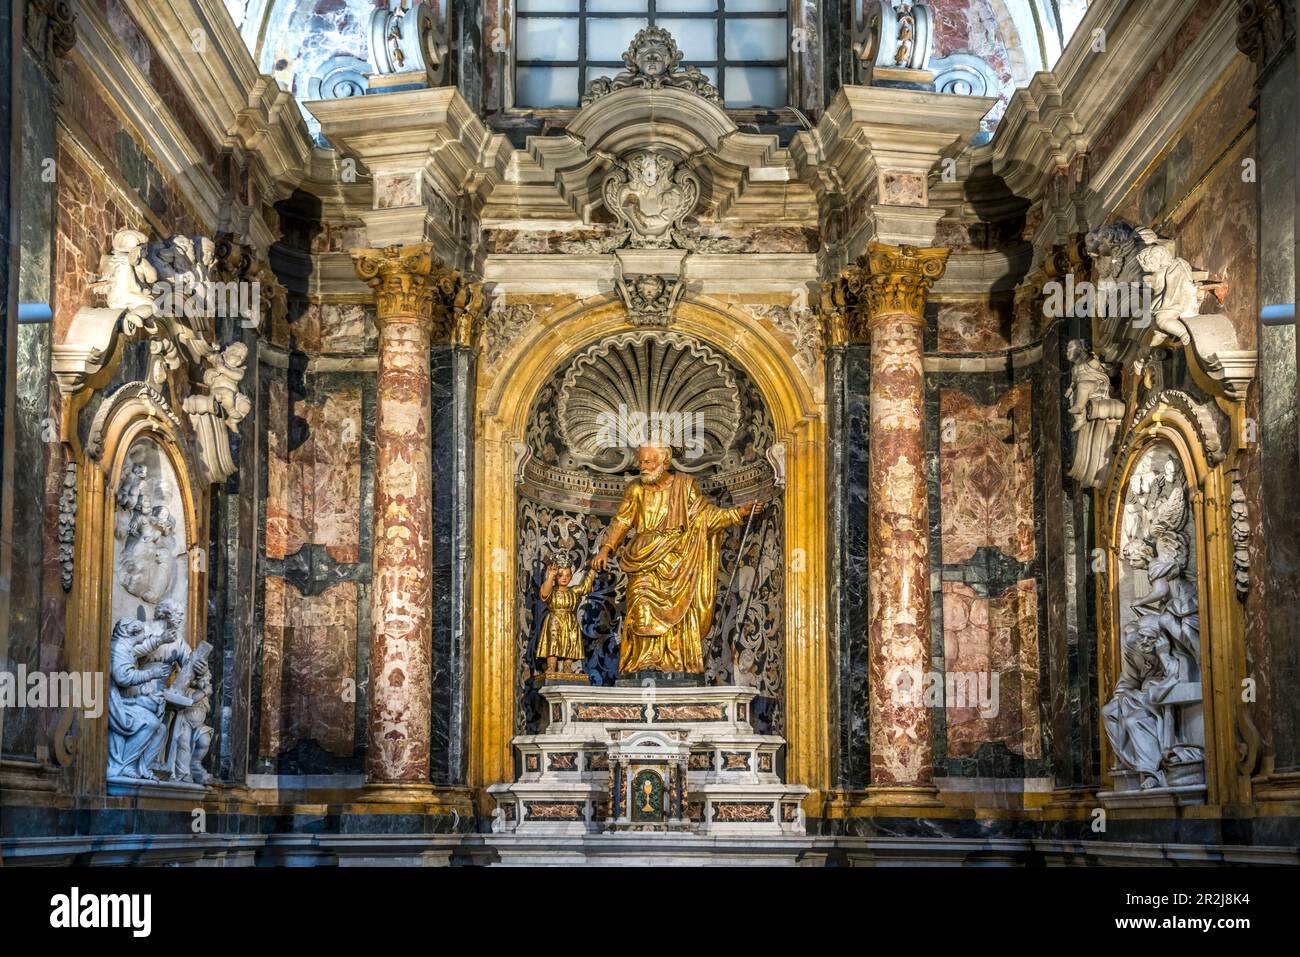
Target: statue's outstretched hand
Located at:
point(753, 508)
point(600, 562)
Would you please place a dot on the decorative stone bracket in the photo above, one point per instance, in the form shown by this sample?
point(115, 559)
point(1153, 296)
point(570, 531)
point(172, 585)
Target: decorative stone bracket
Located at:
point(169, 294)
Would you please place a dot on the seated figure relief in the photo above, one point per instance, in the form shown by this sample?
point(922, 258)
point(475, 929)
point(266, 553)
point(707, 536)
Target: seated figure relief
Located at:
point(1153, 718)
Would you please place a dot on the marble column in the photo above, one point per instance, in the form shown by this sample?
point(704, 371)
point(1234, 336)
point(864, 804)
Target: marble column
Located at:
point(892, 283)
point(412, 295)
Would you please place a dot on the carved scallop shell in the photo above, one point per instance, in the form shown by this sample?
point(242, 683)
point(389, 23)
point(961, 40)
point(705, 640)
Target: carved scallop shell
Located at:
point(648, 385)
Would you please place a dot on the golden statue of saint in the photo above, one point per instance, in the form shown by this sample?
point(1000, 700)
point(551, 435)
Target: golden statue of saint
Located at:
point(561, 639)
point(671, 564)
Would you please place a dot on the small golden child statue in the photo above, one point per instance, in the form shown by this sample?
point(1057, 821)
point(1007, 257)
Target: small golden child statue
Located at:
point(561, 640)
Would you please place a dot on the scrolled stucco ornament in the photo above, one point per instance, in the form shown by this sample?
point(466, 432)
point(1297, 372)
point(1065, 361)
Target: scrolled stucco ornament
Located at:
point(651, 196)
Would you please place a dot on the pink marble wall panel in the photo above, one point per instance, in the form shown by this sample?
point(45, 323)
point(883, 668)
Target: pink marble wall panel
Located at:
point(981, 325)
point(309, 668)
point(1151, 80)
point(986, 475)
point(336, 329)
point(285, 515)
point(314, 490)
point(998, 636)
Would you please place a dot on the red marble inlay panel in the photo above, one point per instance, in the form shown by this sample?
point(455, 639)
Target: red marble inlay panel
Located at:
point(309, 668)
point(553, 811)
point(983, 637)
point(690, 712)
point(608, 712)
point(742, 812)
point(981, 325)
point(986, 475)
point(700, 761)
point(735, 760)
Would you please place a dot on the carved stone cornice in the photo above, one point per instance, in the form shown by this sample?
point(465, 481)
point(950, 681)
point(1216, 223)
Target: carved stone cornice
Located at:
point(411, 286)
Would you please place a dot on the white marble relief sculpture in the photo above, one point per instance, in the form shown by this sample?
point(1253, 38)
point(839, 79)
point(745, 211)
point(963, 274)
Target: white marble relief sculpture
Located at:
point(160, 698)
point(651, 196)
point(145, 529)
point(136, 709)
point(1154, 717)
point(1095, 415)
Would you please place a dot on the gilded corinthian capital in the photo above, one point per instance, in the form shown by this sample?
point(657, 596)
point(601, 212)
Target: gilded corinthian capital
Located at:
point(885, 281)
point(898, 277)
point(410, 285)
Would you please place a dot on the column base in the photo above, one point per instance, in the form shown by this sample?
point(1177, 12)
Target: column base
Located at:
point(904, 799)
point(427, 797)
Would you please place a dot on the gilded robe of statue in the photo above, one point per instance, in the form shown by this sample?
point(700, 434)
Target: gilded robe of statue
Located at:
point(672, 573)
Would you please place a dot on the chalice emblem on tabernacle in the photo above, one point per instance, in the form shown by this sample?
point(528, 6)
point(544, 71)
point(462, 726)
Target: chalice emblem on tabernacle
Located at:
point(647, 789)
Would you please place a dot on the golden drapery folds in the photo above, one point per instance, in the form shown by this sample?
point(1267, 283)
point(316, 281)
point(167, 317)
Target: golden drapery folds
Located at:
point(672, 571)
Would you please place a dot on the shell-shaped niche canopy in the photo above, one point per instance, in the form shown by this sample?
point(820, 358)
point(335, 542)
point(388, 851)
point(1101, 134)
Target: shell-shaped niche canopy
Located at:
point(648, 387)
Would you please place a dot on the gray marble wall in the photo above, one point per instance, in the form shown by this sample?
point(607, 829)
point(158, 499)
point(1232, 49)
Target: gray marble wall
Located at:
point(35, 448)
point(1279, 427)
point(848, 388)
point(453, 377)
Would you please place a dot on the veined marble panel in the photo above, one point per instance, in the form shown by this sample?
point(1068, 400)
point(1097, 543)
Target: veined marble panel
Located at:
point(987, 475)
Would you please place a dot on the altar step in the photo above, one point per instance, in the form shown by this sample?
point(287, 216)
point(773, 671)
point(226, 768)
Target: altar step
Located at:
point(635, 849)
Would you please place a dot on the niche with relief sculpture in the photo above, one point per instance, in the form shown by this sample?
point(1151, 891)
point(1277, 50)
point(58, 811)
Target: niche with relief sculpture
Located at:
point(143, 598)
point(1171, 652)
point(1154, 719)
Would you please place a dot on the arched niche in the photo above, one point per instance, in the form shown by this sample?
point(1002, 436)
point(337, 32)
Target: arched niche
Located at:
point(1170, 645)
point(141, 545)
point(584, 427)
point(151, 557)
point(506, 390)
